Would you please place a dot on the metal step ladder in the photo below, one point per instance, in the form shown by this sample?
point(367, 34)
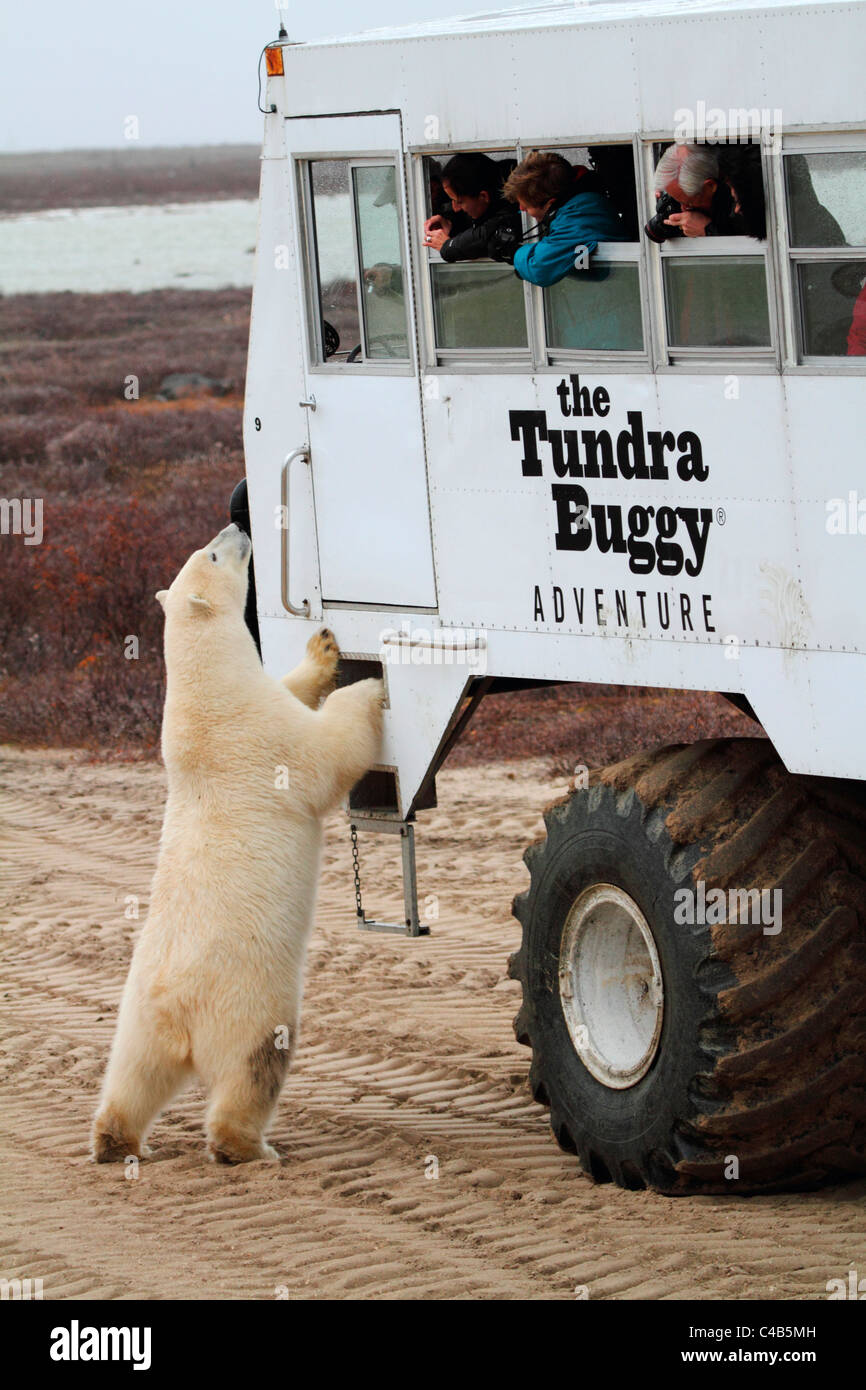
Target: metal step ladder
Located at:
point(412, 924)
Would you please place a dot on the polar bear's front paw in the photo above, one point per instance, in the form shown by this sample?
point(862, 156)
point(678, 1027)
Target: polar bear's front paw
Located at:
point(316, 676)
point(322, 648)
point(323, 654)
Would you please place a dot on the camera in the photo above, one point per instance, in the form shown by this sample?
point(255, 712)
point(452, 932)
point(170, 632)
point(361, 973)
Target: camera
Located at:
point(504, 241)
point(655, 228)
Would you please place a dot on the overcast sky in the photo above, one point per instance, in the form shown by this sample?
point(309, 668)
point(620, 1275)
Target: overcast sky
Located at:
point(71, 74)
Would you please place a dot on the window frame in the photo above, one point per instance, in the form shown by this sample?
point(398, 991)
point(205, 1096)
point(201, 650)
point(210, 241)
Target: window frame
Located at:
point(798, 361)
point(782, 357)
point(504, 354)
point(315, 354)
point(539, 356)
point(447, 360)
point(622, 253)
point(632, 252)
point(670, 357)
point(721, 248)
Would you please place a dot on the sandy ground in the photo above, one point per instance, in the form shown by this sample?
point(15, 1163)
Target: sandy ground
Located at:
point(406, 1055)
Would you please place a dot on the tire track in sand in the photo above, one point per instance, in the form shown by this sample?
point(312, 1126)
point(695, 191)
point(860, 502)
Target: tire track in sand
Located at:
point(406, 1066)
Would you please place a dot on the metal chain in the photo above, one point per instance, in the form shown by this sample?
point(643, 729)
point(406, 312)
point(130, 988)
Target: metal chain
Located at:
point(356, 869)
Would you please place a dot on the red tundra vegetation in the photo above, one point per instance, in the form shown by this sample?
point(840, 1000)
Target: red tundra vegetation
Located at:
point(130, 486)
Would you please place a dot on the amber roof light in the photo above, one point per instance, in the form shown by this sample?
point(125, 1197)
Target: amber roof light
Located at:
point(274, 62)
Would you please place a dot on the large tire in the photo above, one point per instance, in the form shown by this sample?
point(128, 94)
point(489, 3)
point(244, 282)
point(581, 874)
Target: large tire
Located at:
point(754, 1078)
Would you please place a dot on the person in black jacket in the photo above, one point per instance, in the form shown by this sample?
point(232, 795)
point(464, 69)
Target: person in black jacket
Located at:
point(740, 167)
point(470, 226)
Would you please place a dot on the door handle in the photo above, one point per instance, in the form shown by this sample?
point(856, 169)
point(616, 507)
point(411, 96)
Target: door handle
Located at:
point(302, 611)
point(309, 404)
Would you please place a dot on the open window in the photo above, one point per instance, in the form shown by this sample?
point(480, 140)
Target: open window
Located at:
point(481, 309)
point(358, 268)
point(479, 304)
point(597, 307)
point(716, 287)
point(826, 215)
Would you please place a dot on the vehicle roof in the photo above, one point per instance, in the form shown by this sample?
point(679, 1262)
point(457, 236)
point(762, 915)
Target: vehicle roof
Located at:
point(572, 13)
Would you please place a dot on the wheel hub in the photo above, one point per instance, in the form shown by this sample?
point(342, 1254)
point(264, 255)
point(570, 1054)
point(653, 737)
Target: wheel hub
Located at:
point(610, 985)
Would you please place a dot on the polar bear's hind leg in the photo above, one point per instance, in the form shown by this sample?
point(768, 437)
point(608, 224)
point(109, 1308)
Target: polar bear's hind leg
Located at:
point(138, 1085)
point(242, 1103)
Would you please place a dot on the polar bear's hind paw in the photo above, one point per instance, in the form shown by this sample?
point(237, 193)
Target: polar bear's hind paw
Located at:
point(112, 1143)
point(225, 1147)
point(241, 1106)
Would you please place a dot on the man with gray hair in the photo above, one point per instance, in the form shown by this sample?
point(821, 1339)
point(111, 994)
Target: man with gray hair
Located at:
point(690, 175)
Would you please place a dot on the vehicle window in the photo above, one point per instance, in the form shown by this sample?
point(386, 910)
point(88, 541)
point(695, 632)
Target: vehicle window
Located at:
point(832, 305)
point(826, 202)
point(478, 305)
point(612, 167)
point(826, 199)
point(716, 289)
point(435, 198)
point(716, 301)
point(360, 276)
point(336, 265)
point(385, 325)
point(598, 307)
point(478, 301)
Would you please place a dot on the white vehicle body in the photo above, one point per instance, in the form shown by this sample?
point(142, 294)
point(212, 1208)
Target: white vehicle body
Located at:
point(419, 516)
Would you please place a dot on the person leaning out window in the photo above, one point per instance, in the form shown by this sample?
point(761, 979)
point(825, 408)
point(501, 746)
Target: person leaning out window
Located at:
point(476, 215)
point(572, 212)
point(705, 191)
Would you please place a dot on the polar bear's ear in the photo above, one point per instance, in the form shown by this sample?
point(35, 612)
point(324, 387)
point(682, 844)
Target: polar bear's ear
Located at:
point(161, 597)
point(199, 604)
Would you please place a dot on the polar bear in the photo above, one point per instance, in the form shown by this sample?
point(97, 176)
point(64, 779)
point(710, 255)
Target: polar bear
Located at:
point(214, 988)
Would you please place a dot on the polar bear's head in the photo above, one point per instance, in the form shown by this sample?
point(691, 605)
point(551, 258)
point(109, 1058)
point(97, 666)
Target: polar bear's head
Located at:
point(213, 582)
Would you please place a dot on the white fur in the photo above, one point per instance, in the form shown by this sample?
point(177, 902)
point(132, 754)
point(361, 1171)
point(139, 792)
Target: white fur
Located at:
point(217, 974)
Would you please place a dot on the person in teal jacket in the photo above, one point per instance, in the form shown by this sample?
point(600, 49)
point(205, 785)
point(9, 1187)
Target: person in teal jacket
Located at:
point(572, 212)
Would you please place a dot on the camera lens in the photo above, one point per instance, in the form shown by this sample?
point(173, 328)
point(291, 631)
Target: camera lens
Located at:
point(657, 229)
